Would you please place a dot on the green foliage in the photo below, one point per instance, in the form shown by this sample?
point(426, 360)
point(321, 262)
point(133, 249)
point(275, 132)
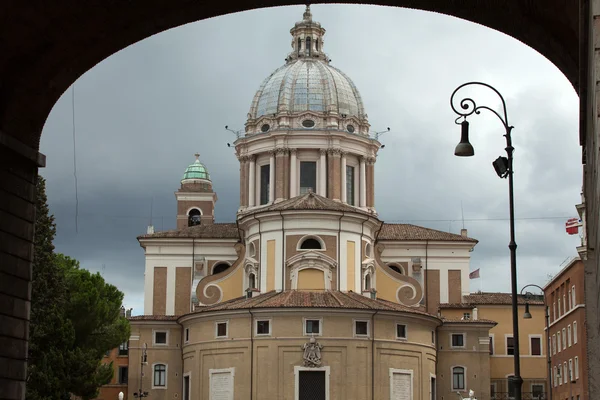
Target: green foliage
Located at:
point(75, 320)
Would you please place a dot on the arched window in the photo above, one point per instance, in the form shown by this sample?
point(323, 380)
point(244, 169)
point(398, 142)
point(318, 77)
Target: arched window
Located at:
point(458, 378)
point(368, 282)
point(396, 268)
point(194, 217)
point(299, 45)
point(252, 250)
point(308, 48)
point(311, 244)
point(160, 375)
point(317, 44)
point(252, 281)
point(220, 267)
point(368, 250)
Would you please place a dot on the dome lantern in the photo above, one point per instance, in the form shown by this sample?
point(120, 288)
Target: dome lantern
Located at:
point(197, 170)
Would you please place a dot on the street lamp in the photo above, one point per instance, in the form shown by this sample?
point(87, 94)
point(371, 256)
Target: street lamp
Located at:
point(144, 361)
point(527, 315)
point(504, 168)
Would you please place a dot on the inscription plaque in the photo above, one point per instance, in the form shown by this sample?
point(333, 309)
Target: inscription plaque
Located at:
point(401, 385)
point(221, 386)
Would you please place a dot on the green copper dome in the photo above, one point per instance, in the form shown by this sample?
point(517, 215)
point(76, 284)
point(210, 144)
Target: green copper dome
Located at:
point(197, 170)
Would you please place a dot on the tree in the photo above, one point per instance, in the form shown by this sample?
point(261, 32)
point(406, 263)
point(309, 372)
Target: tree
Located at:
point(75, 320)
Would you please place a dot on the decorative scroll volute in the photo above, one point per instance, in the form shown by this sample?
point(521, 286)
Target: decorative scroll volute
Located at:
point(208, 291)
point(409, 293)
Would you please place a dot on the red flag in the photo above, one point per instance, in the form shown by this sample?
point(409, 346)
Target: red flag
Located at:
point(474, 274)
point(572, 226)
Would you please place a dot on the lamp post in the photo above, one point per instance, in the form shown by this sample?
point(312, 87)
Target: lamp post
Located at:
point(144, 361)
point(527, 315)
point(504, 168)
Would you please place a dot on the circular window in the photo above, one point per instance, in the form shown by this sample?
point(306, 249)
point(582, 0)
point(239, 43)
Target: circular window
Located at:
point(265, 128)
point(308, 123)
point(350, 128)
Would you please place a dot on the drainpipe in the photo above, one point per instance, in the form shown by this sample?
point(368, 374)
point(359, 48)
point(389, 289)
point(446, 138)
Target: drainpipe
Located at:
point(251, 354)
point(373, 355)
point(426, 278)
point(339, 249)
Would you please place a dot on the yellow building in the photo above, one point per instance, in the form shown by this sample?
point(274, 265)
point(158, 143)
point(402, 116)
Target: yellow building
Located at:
point(532, 340)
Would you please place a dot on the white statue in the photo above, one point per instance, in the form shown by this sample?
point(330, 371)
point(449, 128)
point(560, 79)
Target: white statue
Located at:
point(471, 395)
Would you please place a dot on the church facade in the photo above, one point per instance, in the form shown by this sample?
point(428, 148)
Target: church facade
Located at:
point(308, 294)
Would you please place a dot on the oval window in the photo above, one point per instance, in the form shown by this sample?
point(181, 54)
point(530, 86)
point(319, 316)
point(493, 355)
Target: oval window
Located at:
point(350, 128)
point(265, 128)
point(308, 123)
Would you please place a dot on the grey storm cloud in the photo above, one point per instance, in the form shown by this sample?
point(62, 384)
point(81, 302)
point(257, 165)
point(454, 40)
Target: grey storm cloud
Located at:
point(142, 113)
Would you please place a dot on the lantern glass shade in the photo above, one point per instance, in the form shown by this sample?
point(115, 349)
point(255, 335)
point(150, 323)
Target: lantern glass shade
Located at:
point(464, 148)
point(527, 314)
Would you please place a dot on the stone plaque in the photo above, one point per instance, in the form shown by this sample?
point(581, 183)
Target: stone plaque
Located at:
point(221, 385)
point(401, 386)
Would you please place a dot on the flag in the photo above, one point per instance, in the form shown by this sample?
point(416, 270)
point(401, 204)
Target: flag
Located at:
point(474, 274)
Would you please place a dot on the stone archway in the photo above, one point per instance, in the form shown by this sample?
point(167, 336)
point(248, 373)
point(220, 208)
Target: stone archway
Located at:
point(47, 48)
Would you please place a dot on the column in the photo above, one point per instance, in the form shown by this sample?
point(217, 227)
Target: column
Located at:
point(336, 184)
point(293, 173)
point(252, 182)
point(18, 173)
point(323, 174)
point(272, 177)
point(280, 174)
point(343, 176)
point(363, 183)
point(371, 182)
point(242, 180)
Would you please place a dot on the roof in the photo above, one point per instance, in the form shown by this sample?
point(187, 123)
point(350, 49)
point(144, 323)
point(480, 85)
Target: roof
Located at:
point(208, 231)
point(414, 232)
point(468, 321)
point(153, 318)
point(197, 170)
point(475, 299)
point(309, 299)
point(309, 201)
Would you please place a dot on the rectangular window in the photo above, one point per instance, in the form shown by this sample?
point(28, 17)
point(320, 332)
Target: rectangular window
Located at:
point(186, 387)
point(221, 329)
point(576, 367)
point(312, 326)
point(559, 306)
point(558, 341)
point(433, 337)
point(553, 344)
point(571, 369)
point(554, 307)
point(555, 377)
point(123, 375)
point(160, 337)
point(263, 327)
point(458, 378)
point(537, 391)
point(123, 349)
point(350, 185)
point(491, 345)
point(569, 335)
point(565, 377)
point(575, 332)
point(570, 300)
point(564, 339)
point(510, 346)
point(187, 335)
point(564, 304)
point(265, 176)
point(536, 346)
point(361, 328)
point(466, 316)
point(308, 176)
point(400, 331)
point(559, 374)
point(573, 296)
point(160, 375)
point(458, 340)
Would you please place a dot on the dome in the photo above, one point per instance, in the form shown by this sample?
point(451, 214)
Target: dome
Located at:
point(197, 170)
point(307, 82)
point(307, 85)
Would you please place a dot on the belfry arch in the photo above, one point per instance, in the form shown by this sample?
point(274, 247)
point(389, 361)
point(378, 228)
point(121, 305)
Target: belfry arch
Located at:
point(47, 51)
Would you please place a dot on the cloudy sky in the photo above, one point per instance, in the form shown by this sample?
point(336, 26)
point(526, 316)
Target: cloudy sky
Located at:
point(142, 113)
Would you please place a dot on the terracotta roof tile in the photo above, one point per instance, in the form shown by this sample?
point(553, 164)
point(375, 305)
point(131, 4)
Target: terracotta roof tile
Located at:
point(468, 321)
point(209, 231)
point(308, 299)
point(474, 299)
point(308, 201)
point(414, 232)
point(153, 318)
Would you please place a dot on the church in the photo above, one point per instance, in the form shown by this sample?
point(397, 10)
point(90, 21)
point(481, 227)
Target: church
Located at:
point(308, 294)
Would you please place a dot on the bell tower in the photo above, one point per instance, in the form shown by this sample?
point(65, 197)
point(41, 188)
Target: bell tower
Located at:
point(195, 198)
